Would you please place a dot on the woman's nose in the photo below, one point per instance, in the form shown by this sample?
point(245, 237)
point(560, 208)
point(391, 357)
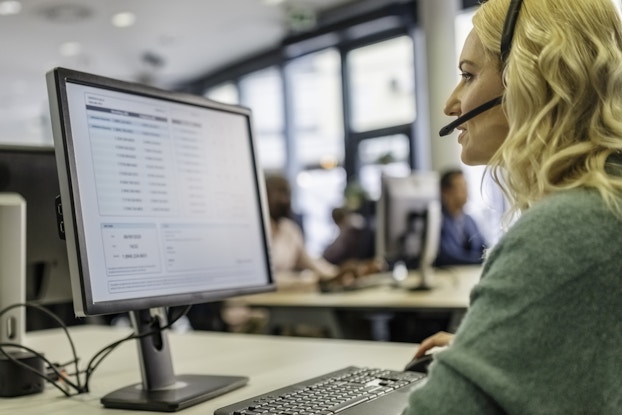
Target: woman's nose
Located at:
point(452, 105)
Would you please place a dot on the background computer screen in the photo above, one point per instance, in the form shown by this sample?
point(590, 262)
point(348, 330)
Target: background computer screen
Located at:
point(408, 222)
point(164, 204)
point(31, 172)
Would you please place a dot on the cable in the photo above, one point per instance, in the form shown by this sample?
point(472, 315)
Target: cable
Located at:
point(63, 327)
point(93, 363)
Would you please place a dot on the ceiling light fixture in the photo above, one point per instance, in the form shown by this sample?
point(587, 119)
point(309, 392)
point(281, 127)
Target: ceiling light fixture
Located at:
point(8, 8)
point(273, 2)
point(123, 19)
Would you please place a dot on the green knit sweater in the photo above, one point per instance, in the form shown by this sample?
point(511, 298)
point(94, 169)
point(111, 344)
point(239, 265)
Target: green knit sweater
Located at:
point(543, 334)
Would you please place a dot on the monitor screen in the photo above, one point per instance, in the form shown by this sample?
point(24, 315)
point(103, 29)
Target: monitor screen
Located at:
point(408, 222)
point(31, 172)
point(163, 199)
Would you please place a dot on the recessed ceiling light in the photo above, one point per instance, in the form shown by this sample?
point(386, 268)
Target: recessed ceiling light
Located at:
point(70, 49)
point(273, 2)
point(8, 8)
point(123, 19)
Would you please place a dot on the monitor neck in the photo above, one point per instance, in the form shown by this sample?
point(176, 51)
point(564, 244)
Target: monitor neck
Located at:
point(156, 363)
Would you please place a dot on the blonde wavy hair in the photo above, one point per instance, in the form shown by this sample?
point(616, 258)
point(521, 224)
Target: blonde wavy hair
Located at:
point(563, 98)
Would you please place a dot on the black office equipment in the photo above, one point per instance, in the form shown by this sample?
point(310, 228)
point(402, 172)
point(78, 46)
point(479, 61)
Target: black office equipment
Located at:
point(420, 364)
point(348, 391)
point(163, 205)
point(16, 377)
point(31, 172)
point(408, 223)
point(15, 380)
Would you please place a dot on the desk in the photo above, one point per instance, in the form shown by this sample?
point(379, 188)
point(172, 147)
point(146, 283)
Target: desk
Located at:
point(270, 362)
point(452, 287)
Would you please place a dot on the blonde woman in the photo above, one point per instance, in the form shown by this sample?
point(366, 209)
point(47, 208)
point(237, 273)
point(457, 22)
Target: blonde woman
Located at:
point(540, 103)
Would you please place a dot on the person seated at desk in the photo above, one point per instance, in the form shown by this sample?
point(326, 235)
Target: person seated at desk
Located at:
point(354, 240)
point(294, 268)
point(288, 253)
point(461, 242)
point(542, 333)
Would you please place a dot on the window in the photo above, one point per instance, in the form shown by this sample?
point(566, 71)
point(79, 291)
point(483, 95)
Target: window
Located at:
point(380, 155)
point(315, 82)
point(317, 135)
point(262, 92)
point(226, 93)
point(320, 191)
point(296, 95)
point(382, 84)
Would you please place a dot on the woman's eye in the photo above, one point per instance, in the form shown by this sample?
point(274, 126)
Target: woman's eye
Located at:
point(466, 76)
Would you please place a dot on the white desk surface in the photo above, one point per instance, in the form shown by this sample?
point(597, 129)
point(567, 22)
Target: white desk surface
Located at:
point(452, 290)
point(270, 362)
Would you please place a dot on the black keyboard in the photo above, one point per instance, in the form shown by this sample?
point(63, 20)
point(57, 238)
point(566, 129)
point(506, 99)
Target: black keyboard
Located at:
point(327, 394)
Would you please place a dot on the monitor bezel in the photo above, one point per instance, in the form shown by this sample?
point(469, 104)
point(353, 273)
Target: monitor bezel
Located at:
point(57, 80)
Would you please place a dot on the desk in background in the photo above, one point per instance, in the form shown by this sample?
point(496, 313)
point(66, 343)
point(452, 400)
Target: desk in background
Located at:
point(270, 363)
point(296, 304)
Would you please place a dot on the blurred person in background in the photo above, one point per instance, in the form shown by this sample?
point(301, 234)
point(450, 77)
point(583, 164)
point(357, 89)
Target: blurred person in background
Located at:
point(461, 241)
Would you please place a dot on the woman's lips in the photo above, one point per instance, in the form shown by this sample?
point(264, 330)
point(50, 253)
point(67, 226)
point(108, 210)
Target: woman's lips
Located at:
point(462, 133)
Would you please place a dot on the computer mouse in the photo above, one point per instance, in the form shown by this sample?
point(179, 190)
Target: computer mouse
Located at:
point(420, 364)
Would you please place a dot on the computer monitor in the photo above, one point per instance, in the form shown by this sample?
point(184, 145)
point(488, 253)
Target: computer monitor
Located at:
point(408, 223)
point(164, 205)
point(31, 172)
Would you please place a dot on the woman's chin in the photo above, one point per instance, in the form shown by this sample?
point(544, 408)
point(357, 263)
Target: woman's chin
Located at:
point(471, 160)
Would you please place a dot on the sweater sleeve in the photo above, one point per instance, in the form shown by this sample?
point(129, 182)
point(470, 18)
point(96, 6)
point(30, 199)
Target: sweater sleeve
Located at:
point(448, 392)
point(538, 337)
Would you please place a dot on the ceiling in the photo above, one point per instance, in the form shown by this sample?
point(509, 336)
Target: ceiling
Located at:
point(171, 41)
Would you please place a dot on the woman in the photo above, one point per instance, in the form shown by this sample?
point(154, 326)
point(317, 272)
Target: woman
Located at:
point(543, 333)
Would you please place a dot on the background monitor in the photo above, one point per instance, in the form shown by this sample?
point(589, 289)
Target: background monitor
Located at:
point(31, 172)
point(408, 222)
point(164, 205)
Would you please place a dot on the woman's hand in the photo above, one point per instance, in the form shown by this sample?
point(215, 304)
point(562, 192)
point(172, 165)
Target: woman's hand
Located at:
point(440, 339)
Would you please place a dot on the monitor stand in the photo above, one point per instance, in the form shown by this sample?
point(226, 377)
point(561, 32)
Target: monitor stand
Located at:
point(425, 283)
point(161, 390)
point(431, 240)
point(400, 272)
